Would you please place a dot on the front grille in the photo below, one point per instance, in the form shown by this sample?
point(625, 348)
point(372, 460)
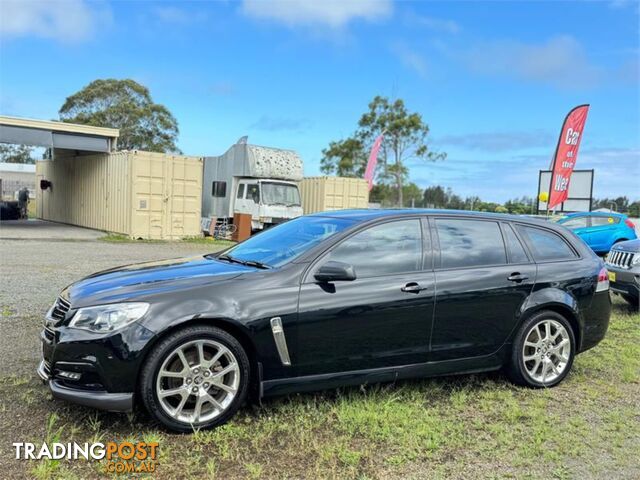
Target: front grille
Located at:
point(46, 367)
point(49, 334)
point(60, 309)
point(620, 259)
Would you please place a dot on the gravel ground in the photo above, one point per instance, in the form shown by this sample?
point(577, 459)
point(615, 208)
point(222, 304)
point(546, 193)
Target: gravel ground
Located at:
point(35, 271)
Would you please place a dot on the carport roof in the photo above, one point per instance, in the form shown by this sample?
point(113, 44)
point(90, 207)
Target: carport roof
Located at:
point(51, 134)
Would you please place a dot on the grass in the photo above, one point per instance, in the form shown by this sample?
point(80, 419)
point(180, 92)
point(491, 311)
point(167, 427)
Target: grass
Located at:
point(478, 426)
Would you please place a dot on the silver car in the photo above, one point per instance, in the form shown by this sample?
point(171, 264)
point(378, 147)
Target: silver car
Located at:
point(623, 264)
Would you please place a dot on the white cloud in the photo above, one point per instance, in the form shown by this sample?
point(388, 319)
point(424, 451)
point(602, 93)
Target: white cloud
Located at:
point(67, 21)
point(410, 58)
point(437, 24)
point(560, 61)
point(330, 13)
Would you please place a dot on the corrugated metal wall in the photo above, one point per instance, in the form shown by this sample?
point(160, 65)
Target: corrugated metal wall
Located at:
point(320, 194)
point(90, 191)
point(139, 194)
point(166, 195)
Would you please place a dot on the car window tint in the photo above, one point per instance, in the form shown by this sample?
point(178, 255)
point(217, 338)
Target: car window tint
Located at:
point(470, 243)
point(392, 247)
point(600, 221)
point(546, 245)
point(516, 250)
point(574, 222)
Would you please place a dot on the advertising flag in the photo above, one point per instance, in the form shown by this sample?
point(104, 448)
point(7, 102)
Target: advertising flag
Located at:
point(373, 161)
point(566, 155)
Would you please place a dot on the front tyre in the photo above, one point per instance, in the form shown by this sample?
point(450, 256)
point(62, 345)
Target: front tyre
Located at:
point(197, 377)
point(543, 351)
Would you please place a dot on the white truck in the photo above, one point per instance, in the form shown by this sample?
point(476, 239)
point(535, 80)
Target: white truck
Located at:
point(260, 181)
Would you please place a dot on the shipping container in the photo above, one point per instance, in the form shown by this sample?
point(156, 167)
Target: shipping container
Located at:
point(138, 194)
point(321, 194)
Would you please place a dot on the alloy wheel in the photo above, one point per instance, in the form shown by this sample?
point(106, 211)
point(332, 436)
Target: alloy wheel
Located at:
point(198, 381)
point(546, 351)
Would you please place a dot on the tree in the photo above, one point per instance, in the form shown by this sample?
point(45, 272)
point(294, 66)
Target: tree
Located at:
point(435, 197)
point(16, 153)
point(126, 105)
point(405, 138)
point(345, 158)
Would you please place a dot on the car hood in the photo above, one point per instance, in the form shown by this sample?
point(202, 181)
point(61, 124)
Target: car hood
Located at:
point(628, 246)
point(150, 278)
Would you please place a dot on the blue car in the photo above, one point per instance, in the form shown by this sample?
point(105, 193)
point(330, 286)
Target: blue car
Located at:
point(600, 230)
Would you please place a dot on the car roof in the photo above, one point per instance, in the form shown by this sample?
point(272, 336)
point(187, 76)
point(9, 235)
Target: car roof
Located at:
point(595, 214)
point(360, 215)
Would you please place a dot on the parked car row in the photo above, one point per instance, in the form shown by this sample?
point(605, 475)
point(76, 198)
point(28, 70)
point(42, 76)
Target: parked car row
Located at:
point(613, 235)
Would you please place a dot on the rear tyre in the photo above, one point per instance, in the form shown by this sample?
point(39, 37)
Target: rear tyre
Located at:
point(196, 378)
point(543, 351)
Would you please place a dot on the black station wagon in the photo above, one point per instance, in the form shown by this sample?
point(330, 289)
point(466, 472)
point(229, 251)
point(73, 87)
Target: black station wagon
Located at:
point(325, 300)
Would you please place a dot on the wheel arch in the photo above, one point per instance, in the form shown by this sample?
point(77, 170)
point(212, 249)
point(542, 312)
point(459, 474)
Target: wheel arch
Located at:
point(229, 326)
point(562, 309)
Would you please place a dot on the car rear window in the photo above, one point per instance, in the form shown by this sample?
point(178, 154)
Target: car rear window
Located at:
point(574, 222)
point(546, 245)
point(600, 221)
point(470, 243)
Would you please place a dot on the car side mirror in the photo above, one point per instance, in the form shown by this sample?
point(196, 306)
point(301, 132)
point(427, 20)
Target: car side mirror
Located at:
point(335, 272)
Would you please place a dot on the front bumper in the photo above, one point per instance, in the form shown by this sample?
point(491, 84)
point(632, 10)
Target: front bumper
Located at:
point(113, 402)
point(627, 281)
point(98, 371)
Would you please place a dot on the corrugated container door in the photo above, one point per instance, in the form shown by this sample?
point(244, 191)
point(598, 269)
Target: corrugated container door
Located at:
point(147, 194)
point(166, 195)
point(184, 194)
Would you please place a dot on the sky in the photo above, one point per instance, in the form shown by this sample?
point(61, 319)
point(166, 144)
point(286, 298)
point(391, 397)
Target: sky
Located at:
point(492, 79)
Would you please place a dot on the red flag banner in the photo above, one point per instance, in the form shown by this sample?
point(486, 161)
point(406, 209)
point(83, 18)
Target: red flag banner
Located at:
point(369, 173)
point(566, 155)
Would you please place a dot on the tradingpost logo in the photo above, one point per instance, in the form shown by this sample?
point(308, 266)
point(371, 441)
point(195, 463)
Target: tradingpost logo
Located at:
point(118, 457)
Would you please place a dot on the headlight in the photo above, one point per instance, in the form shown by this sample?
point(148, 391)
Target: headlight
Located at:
point(107, 318)
point(636, 260)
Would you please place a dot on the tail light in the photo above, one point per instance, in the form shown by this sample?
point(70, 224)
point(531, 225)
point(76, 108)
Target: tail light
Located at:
point(629, 223)
point(603, 280)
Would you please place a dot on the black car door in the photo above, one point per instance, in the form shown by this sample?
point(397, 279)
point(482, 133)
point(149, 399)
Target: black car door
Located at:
point(380, 319)
point(481, 286)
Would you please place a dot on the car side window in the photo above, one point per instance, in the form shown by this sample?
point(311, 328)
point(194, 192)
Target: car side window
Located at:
point(577, 222)
point(517, 253)
point(240, 191)
point(602, 221)
point(546, 245)
point(392, 247)
point(470, 243)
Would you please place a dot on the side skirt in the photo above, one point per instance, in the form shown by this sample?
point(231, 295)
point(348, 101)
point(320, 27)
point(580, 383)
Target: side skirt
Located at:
point(326, 381)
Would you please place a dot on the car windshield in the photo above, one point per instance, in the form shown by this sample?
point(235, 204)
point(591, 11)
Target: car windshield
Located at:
point(280, 194)
point(281, 244)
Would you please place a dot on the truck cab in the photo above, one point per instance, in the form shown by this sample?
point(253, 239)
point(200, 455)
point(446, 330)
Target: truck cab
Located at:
point(269, 201)
point(251, 179)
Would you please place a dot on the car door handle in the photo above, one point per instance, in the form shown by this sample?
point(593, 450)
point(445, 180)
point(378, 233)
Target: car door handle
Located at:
point(413, 287)
point(517, 277)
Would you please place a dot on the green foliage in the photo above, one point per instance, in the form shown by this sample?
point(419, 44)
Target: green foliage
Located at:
point(126, 105)
point(16, 153)
point(344, 158)
point(405, 138)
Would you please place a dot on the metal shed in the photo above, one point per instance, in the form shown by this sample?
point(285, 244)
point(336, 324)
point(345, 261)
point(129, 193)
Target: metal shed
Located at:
point(85, 182)
point(139, 194)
